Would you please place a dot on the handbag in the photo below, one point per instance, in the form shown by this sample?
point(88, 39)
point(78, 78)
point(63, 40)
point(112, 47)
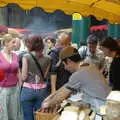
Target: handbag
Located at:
point(38, 65)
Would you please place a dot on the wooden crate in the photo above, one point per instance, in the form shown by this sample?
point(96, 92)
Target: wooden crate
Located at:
point(44, 116)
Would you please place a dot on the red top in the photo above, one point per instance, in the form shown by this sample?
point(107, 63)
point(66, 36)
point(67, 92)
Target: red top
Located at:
point(8, 71)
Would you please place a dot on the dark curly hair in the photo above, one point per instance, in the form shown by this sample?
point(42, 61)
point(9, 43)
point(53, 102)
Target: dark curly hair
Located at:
point(34, 43)
point(111, 44)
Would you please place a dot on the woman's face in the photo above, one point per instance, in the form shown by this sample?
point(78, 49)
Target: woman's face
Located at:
point(11, 44)
point(106, 51)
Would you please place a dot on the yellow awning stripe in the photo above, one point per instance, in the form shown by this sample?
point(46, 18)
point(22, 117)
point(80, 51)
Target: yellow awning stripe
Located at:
point(101, 9)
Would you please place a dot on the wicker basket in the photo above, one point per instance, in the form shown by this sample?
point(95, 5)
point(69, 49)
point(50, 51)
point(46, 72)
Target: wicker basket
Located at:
point(44, 116)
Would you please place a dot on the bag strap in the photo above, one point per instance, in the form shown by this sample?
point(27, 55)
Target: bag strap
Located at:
point(38, 65)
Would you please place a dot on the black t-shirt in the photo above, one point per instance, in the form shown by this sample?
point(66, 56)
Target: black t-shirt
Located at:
point(115, 73)
point(62, 74)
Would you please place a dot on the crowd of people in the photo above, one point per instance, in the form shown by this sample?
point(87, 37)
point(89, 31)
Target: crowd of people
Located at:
point(25, 84)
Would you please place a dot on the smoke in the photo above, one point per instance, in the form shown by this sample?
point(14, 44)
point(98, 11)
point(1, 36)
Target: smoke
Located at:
point(42, 22)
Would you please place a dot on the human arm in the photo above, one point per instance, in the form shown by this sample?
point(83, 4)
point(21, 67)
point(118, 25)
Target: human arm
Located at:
point(56, 98)
point(19, 78)
point(47, 70)
point(24, 68)
point(63, 92)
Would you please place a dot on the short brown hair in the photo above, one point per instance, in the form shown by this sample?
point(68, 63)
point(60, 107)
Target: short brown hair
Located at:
point(111, 44)
point(35, 43)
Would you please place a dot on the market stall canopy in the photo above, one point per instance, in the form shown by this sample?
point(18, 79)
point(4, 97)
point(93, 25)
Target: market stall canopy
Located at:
point(101, 9)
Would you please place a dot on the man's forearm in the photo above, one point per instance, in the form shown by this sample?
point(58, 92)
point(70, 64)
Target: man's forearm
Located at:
point(58, 96)
point(61, 95)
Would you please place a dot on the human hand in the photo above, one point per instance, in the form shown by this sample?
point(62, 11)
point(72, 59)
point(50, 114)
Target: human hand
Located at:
point(48, 108)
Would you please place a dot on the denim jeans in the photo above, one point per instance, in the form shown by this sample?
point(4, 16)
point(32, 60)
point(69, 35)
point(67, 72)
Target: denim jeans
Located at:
point(31, 100)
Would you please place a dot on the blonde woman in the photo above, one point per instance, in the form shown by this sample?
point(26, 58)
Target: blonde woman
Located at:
point(9, 91)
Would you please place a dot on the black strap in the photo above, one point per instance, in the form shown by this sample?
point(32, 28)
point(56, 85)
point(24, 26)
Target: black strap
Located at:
point(38, 65)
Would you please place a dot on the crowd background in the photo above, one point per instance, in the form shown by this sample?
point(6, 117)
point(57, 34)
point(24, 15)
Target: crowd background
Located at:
point(27, 63)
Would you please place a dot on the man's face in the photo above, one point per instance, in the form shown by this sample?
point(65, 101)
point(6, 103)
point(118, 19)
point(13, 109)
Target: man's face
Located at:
point(92, 47)
point(49, 44)
point(69, 66)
